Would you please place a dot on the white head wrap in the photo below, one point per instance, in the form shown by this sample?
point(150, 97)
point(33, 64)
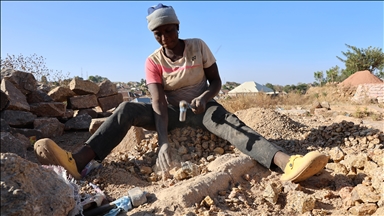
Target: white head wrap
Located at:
point(161, 15)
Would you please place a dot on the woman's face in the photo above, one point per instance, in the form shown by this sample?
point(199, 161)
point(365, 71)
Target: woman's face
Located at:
point(167, 35)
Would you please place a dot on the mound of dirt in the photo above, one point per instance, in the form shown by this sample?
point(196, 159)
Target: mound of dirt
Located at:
point(360, 77)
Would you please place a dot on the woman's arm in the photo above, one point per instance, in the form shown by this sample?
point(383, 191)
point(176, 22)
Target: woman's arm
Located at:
point(213, 77)
point(160, 108)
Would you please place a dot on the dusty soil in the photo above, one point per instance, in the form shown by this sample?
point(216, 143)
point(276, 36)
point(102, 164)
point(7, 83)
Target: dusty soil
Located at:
point(292, 129)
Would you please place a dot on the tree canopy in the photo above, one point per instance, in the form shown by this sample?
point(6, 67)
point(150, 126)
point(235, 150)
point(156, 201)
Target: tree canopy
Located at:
point(359, 59)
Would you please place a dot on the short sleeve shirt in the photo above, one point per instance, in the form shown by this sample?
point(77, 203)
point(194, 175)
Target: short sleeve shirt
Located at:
point(183, 79)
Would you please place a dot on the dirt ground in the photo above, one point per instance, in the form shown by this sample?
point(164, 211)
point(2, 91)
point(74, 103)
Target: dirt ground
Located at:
point(244, 194)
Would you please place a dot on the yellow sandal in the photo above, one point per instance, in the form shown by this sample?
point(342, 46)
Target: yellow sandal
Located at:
point(49, 153)
point(301, 167)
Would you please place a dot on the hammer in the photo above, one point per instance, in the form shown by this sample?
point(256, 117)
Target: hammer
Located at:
point(135, 195)
point(184, 105)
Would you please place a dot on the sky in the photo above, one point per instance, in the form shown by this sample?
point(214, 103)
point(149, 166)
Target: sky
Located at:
point(278, 42)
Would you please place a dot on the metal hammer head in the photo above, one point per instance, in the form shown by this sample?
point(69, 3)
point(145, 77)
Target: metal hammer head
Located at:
point(183, 110)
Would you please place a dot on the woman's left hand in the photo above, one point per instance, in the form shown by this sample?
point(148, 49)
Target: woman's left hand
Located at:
point(198, 105)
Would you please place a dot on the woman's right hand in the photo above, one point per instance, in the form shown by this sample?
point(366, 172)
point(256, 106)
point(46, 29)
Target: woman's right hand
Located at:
point(164, 157)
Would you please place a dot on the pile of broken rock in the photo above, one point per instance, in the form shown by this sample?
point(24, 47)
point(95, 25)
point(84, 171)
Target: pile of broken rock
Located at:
point(30, 112)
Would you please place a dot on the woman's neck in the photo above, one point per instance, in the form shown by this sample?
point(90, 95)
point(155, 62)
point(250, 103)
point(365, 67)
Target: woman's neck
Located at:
point(175, 53)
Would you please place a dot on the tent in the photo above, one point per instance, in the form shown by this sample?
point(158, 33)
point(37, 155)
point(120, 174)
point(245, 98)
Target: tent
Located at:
point(250, 87)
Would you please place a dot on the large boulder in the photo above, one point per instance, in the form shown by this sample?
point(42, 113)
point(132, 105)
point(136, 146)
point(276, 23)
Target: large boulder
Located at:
point(17, 100)
point(38, 96)
point(4, 100)
point(16, 118)
point(107, 88)
point(11, 144)
point(30, 189)
point(61, 94)
point(24, 81)
point(83, 87)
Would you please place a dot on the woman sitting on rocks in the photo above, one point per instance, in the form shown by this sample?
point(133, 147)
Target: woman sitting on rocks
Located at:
point(179, 70)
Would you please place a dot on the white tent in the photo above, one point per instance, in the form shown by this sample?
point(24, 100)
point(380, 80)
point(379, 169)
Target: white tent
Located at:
point(250, 87)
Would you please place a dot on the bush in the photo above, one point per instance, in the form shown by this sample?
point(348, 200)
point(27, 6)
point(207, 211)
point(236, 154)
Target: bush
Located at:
point(33, 64)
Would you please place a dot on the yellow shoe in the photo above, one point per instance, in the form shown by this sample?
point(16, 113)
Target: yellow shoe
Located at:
point(300, 168)
point(49, 153)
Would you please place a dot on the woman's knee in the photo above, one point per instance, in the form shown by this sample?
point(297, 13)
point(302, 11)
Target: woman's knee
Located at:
point(215, 113)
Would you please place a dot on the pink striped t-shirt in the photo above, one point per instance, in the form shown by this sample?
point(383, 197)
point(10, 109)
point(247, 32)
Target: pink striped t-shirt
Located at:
point(183, 79)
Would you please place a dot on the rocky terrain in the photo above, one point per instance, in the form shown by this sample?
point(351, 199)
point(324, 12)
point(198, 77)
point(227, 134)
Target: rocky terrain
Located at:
point(210, 176)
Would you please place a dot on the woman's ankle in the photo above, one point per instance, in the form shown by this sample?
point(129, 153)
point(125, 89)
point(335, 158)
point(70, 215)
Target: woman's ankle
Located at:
point(83, 157)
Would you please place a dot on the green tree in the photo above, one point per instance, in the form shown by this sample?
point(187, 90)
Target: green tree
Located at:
point(319, 77)
point(289, 88)
point(359, 59)
point(97, 78)
point(269, 85)
point(333, 74)
point(301, 88)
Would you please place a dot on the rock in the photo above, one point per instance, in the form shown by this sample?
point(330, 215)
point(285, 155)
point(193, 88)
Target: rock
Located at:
point(134, 136)
point(10, 144)
point(320, 111)
point(61, 94)
point(145, 170)
point(95, 124)
point(326, 105)
point(345, 194)
point(83, 87)
point(16, 118)
point(364, 193)
point(83, 101)
point(316, 105)
point(194, 190)
point(187, 170)
point(6, 72)
point(300, 202)
point(48, 109)
point(80, 122)
point(69, 113)
point(363, 209)
point(49, 127)
point(379, 212)
point(17, 100)
point(336, 154)
point(211, 158)
point(272, 191)
point(90, 112)
point(38, 96)
point(27, 132)
point(207, 201)
point(337, 168)
point(109, 102)
point(356, 161)
point(4, 100)
point(218, 150)
point(107, 88)
point(29, 189)
point(24, 81)
point(4, 126)
point(137, 196)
